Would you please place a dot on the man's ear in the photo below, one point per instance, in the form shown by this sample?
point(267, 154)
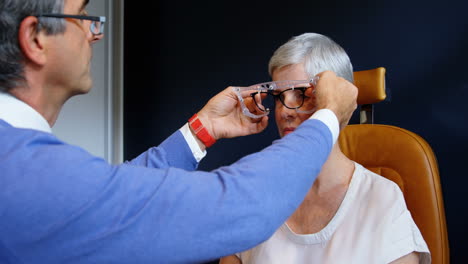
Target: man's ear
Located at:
point(32, 42)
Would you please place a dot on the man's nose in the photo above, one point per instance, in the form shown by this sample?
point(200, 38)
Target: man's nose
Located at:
point(96, 38)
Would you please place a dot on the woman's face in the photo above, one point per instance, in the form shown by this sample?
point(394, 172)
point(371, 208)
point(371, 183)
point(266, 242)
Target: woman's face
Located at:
point(288, 120)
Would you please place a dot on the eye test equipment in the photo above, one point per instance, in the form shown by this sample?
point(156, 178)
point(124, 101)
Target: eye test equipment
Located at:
point(279, 90)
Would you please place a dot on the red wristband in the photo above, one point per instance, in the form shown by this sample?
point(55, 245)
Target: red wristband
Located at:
point(202, 134)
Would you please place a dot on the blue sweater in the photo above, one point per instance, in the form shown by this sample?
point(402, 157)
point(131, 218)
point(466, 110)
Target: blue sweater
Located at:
point(60, 204)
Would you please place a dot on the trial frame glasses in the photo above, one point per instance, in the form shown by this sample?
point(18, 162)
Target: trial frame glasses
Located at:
point(279, 96)
point(97, 22)
point(269, 87)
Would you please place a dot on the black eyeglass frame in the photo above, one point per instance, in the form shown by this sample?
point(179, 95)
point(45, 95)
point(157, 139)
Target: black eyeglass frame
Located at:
point(278, 97)
point(101, 19)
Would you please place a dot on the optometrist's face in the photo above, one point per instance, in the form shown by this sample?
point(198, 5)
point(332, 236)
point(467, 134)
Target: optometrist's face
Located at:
point(287, 120)
point(73, 51)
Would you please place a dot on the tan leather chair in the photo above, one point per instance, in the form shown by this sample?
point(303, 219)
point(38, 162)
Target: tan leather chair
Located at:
point(401, 156)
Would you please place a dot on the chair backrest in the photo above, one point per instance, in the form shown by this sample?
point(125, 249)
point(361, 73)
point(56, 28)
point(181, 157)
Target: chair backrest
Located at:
point(403, 157)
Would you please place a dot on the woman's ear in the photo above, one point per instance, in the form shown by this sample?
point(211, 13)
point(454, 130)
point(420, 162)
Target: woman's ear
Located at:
point(32, 42)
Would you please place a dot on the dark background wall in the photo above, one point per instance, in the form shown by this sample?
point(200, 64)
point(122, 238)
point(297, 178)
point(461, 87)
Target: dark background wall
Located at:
point(178, 54)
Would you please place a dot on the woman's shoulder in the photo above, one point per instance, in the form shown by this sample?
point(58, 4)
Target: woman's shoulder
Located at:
point(376, 187)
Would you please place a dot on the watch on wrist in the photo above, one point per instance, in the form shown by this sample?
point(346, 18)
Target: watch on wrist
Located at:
point(200, 131)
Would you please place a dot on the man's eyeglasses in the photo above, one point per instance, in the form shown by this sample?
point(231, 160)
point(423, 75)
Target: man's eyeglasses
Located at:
point(259, 99)
point(97, 22)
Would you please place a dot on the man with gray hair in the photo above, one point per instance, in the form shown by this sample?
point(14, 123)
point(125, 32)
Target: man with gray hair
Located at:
point(350, 214)
point(62, 205)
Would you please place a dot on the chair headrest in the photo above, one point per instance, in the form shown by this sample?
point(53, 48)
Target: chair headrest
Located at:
point(371, 85)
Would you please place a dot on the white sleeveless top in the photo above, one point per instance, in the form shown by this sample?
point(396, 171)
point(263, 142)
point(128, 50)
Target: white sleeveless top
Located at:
point(372, 225)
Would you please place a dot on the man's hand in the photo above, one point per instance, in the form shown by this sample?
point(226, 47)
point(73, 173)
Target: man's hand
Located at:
point(223, 118)
point(336, 94)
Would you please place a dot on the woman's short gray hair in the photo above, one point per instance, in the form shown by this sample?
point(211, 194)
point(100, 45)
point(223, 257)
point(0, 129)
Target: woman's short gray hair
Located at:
point(318, 53)
point(12, 13)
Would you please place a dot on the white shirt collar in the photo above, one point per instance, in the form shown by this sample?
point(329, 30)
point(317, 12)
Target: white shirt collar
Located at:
point(20, 115)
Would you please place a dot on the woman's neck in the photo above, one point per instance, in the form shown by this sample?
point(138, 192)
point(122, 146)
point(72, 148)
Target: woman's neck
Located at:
point(325, 196)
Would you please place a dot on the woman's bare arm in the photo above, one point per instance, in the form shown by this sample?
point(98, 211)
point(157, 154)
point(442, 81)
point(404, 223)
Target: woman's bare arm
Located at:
point(411, 258)
point(230, 260)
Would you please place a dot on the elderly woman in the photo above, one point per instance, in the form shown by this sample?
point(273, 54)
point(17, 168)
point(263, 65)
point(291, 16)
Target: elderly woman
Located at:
point(350, 214)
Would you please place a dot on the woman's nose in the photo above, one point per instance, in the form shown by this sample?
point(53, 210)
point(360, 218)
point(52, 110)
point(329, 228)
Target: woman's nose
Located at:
point(285, 112)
